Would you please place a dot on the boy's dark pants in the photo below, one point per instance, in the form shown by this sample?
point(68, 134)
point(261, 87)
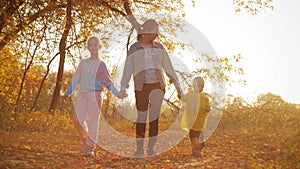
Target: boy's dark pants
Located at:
point(195, 142)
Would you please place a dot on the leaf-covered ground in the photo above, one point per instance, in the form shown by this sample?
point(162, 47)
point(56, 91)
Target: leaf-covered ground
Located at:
point(224, 149)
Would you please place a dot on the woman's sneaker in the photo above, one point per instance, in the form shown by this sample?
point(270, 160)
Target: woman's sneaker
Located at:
point(139, 153)
point(151, 152)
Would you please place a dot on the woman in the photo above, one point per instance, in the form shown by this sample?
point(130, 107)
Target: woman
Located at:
point(146, 61)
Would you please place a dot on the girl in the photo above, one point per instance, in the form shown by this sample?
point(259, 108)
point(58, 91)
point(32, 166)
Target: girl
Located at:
point(92, 76)
point(146, 61)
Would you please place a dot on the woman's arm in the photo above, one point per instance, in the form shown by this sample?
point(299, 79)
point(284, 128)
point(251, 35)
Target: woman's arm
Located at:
point(169, 69)
point(128, 70)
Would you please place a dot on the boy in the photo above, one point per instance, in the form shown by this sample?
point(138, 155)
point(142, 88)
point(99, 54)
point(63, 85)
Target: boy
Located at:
point(196, 110)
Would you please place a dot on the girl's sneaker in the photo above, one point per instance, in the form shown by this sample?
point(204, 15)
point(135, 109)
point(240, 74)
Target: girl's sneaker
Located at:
point(83, 148)
point(87, 150)
point(90, 152)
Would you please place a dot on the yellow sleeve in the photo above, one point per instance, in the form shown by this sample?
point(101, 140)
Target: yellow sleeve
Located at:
point(186, 97)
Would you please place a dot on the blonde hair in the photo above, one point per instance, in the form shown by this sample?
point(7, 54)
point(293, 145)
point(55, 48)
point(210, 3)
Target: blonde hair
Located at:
point(93, 38)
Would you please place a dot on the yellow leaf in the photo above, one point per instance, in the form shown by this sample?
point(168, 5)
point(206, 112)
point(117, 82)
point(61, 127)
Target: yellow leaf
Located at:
point(26, 147)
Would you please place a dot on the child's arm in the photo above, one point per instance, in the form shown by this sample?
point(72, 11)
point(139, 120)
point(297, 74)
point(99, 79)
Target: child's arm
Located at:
point(104, 76)
point(207, 106)
point(75, 81)
point(112, 88)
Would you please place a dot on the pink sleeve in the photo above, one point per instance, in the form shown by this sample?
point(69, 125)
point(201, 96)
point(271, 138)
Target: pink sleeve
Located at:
point(103, 75)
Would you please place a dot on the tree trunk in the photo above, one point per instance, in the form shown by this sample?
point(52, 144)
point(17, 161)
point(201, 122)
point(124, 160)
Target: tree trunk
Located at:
point(106, 109)
point(46, 75)
point(62, 51)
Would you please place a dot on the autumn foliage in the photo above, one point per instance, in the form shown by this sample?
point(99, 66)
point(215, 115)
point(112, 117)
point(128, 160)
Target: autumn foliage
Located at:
point(35, 34)
point(264, 134)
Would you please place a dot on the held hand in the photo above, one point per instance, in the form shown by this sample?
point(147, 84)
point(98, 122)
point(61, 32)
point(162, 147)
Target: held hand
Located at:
point(65, 98)
point(208, 109)
point(122, 94)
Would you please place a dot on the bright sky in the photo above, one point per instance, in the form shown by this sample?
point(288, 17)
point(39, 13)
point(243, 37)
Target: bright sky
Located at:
point(269, 43)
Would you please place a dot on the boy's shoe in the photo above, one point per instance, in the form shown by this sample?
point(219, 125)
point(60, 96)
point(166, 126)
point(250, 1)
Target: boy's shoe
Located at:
point(151, 152)
point(139, 153)
point(197, 153)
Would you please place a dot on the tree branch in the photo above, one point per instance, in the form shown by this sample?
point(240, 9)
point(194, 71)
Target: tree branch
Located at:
point(9, 9)
point(47, 73)
point(10, 36)
point(130, 17)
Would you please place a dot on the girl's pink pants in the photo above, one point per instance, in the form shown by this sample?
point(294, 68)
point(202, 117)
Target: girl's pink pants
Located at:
point(88, 110)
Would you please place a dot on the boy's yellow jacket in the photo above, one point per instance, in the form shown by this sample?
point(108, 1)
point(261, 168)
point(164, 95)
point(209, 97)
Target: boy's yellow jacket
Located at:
point(195, 111)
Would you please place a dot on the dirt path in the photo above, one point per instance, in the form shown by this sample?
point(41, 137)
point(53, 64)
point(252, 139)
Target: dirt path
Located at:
point(23, 149)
